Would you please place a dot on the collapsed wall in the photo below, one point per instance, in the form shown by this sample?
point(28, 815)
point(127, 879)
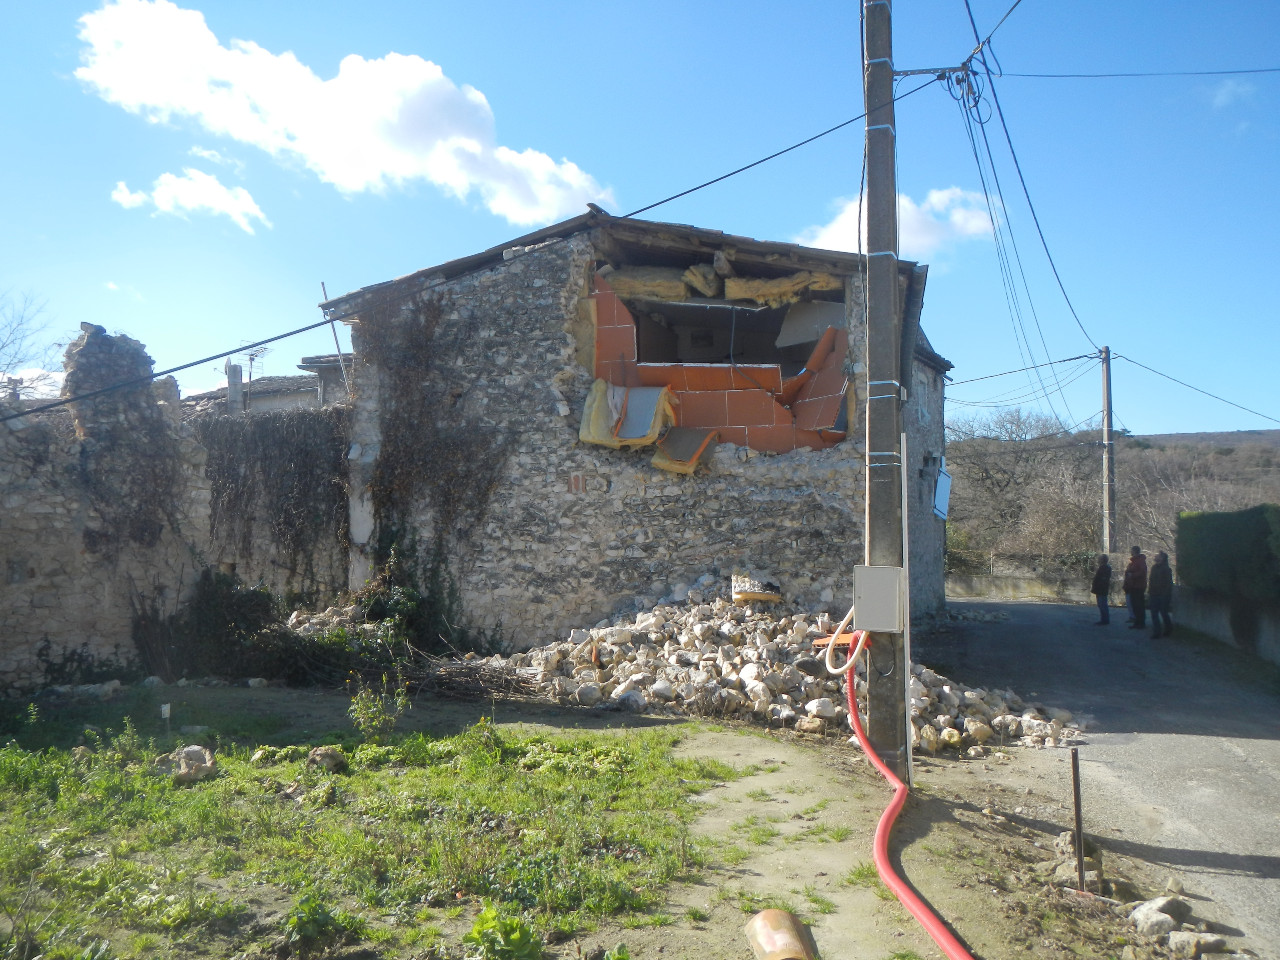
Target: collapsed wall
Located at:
point(112, 508)
point(103, 512)
point(466, 451)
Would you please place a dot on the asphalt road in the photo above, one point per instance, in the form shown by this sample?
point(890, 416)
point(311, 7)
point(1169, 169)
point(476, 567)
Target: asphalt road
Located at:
point(1183, 749)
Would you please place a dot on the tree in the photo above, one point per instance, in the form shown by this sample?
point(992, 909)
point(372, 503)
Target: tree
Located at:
point(1022, 484)
point(24, 345)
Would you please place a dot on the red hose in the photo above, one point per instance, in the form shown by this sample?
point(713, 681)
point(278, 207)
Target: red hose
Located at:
point(906, 896)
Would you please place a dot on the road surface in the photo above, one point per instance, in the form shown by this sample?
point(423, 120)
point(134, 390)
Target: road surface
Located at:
point(1183, 744)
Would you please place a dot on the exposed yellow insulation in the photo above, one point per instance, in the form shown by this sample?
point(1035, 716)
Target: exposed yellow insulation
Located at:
point(779, 291)
point(703, 278)
point(653, 283)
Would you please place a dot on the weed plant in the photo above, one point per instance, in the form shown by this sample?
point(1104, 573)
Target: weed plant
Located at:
point(552, 831)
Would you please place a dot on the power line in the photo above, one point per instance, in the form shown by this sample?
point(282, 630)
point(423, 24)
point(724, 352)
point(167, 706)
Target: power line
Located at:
point(1183, 383)
point(991, 376)
point(995, 99)
point(993, 29)
point(1114, 76)
point(772, 156)
point(162, 373)
point(388, 300)
point(1009, 398)
point(968, 101)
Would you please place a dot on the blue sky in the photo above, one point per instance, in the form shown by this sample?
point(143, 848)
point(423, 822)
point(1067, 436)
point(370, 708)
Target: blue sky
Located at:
point(189, 173)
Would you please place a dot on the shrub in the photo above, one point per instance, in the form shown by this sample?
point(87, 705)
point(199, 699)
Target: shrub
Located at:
point(1234, 554)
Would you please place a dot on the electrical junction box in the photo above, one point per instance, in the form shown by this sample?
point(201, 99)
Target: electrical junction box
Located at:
point(878, 595)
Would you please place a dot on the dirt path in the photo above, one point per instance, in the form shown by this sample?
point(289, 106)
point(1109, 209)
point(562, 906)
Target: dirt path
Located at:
point(796, 832)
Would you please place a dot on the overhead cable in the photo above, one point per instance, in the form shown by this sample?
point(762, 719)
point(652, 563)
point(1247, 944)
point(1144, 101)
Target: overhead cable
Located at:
point(1189, 386)
point(968, 98)
point(161, 373)
point(772, 156)
point(684, 193)
point(990, 376)
point(1116, 76)
point(995, 100)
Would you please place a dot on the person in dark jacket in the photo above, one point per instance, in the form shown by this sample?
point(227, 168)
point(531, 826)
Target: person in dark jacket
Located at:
point(1160, 595)
point(1135, 588)
point(1102, 590)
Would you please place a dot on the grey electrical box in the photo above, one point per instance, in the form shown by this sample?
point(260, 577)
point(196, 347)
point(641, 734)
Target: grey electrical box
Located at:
point(878, 598)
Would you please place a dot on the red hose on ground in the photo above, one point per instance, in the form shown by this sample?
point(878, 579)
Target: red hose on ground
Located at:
point(906, 896)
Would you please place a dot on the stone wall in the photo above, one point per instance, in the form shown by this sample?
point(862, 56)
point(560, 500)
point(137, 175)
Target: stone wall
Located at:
point(563, 534)
point(922, 417)
point(1245, 625)
point(103, 514)
point(107, 508)
point(278, 508)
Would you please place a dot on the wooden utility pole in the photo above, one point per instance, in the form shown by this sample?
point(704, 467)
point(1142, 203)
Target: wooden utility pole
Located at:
point(888, 676)
point(1108, 460)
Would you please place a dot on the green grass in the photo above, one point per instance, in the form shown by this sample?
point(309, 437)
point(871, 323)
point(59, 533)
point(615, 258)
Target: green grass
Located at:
point(866, 875)
point(821, 904)
point(558, 829)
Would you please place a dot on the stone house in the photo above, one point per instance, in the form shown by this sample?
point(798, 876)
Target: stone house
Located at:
point(593, 416)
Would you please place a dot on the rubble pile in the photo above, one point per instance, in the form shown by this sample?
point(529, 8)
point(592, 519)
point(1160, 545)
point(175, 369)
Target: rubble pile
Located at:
point(760, 662)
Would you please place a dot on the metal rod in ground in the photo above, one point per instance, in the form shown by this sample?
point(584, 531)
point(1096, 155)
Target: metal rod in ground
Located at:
point(1075, 789)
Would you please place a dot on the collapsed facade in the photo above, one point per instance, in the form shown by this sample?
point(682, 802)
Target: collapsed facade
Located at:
point(570, 426)
point(595, 415)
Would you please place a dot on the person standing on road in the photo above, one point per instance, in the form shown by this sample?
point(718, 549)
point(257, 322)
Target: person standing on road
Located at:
point(1135, 588)
point(1102, 590)
point(1160, 596)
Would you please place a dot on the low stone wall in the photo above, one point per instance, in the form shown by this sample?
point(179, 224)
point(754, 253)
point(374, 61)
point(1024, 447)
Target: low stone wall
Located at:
point(1251, 627)
point(1011, 587)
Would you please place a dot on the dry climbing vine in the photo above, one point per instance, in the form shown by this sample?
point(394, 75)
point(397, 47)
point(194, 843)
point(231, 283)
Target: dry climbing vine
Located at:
point(428, 447)
point(286, 469)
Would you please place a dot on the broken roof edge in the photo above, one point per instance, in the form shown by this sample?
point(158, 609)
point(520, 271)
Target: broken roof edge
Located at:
point(775, 255)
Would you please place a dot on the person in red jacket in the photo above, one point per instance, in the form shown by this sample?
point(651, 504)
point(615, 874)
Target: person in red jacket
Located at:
point(1135, 588)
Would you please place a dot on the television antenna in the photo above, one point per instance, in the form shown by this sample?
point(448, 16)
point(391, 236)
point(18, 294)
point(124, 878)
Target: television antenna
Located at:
point(253, 356)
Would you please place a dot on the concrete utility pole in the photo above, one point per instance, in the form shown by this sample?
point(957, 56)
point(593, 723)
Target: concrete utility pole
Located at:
point(1108, 461)
point(887, 679)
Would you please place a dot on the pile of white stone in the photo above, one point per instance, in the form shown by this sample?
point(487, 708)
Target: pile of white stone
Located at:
point(759, 662)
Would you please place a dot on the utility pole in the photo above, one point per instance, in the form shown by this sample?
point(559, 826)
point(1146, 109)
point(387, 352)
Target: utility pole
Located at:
point(887, 677)
point(1108, 460)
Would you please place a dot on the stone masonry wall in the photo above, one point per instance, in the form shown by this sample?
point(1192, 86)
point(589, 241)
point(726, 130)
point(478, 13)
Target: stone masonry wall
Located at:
point(103, 513)
point(278, 509)
point(572, 533)
point(922, 419)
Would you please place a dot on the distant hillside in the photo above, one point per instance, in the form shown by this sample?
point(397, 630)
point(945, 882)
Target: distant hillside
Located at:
point(1223, 438)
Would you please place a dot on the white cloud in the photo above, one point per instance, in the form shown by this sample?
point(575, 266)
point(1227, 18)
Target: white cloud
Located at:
point(127, 198)
point(195, 192)
point(1229, 91)
point(942, 219)
point(375, 124)
point(126, 290)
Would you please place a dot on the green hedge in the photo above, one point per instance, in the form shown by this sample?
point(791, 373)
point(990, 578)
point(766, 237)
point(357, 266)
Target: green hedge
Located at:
point(1232, 554)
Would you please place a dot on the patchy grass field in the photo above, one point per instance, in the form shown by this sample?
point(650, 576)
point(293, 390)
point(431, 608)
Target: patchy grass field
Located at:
point(497, 831)
point(101, 856)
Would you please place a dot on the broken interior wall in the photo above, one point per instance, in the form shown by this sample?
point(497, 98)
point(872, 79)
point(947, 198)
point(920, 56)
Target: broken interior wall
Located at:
point(572, 533)
point(104, 511)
